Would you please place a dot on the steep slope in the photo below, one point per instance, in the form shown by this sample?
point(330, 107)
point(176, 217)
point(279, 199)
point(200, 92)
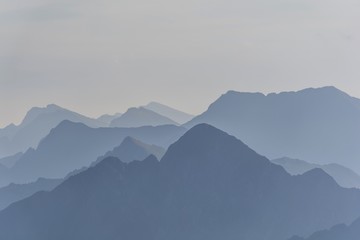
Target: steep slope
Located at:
point(36, 125)
point(15, 192)
point(319, 125)
point(132, 149)
point(72, 146)
point(208, 185)
point(345, 177)
point(138, 117)
point(176, 115)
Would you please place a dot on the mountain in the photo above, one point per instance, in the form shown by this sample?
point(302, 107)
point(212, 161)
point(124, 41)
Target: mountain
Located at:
point(15, 192)
point(138, 117)
point(338, 232)
point(345, 177)
point(36, 125)
point(132, 149)
point(71, 146)
point(107, 118)
point(4, 175)
point(320, 125)
point(176, 115)
point(209, 185)
point(11, 160)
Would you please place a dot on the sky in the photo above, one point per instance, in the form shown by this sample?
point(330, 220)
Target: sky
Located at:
point(103, 56)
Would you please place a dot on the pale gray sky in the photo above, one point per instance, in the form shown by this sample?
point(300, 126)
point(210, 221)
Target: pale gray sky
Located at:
point(102, 56)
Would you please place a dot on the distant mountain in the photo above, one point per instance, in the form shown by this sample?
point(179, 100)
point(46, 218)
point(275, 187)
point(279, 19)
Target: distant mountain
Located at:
point(72, 146)
point(36, 125)
point(4, 175)
point(107, 118)
point(319, 125)
point(208, 186)
point(338, 232)
point(132, 149)
point(11, 160)
point(345, 177)
point(138, 117)
point(176, 115)
point(15, 192)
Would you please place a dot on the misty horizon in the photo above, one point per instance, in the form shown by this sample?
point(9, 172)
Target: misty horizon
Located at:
point(98, 57)
point(179, 120)
point(18, 117)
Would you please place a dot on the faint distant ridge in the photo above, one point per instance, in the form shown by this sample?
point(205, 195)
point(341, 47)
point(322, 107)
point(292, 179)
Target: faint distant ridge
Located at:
point(208, 186)
point(174, 114)
point(292, 123)
point(345, 177)
point(138, 117)
point(132, 149)
point(107, 118)
point(71, 146)
point(36, 125)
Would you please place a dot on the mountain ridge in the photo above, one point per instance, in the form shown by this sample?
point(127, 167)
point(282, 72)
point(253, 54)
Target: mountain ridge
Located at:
point(208, 185)
point(138, 117)
point(282, 123)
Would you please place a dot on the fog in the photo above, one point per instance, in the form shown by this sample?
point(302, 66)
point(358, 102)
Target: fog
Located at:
point(100, 56)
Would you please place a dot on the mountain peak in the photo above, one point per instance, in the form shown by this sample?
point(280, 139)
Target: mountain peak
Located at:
point(132, 149)
point(129, 139)
point(137, 117)
point(204, 142)
point(53, 106)
point(69, 124)
point(319, 176)
point(324, 90)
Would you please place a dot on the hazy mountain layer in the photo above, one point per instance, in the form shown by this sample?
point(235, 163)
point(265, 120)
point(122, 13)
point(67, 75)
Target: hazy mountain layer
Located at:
point(338, 232)
point(72, 146)
point(174, 114)
point(15, 192)
point(345, 177)
point(132, 149)
point(138, 117)
point(319, 125)
point(107, 118)
point(11, 160)
point(36, 125)
point(208, 186)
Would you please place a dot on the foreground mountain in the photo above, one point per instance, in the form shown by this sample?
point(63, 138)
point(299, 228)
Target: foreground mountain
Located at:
point(36, 125)
point(138, 117)
point(15, 192)
point(345, 177)
point(338, 232)
point(132, 149)
point(72, 146)
point(176, 115)
point(208, 186)
point(319, 125)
